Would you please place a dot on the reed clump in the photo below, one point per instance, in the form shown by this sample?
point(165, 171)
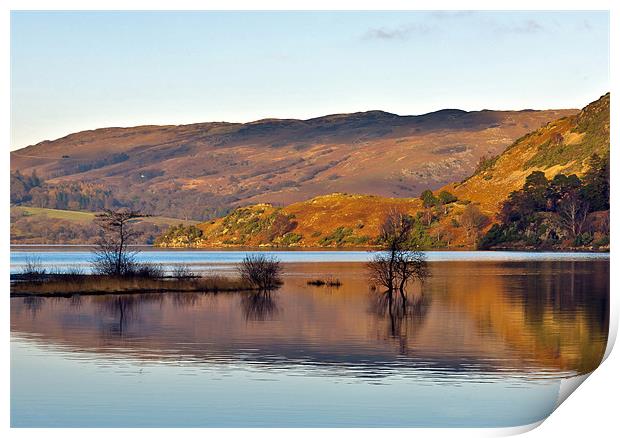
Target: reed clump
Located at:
point(329, 282)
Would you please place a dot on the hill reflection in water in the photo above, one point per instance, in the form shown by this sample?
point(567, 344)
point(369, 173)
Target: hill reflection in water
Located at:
point(481, 320)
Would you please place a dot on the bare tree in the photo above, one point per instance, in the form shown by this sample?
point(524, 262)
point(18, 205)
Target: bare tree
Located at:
point(400, 262)
point(112, 255)
point(33, 269)
point(473, 220)
point(428, 216)
point(382, 270)
point(443, 235)
point(410, 266)
point(573, 213)
point(261, 271)
point(394, 236)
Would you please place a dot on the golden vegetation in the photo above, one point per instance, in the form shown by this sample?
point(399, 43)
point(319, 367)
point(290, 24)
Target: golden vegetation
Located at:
point(562, 146)
point(342, 220)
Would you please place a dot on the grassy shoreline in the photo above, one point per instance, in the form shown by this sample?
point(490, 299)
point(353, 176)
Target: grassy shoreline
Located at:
point(62, 285)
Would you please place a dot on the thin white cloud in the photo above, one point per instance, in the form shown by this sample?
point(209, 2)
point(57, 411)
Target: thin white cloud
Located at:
point(523, 27)
point(398, 33)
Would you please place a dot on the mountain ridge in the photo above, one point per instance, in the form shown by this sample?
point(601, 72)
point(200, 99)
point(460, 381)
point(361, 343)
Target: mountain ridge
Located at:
point(206, 169)
point(281, 119)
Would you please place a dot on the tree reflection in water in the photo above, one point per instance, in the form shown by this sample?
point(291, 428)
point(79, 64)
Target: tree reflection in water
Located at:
point(185, 300)
point(124, 309)
point(259, 306)
point(405, 314)
point(75, 302)
point(33, 304)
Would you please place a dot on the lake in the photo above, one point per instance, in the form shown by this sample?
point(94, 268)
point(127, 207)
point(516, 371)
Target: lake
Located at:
point(485, 341)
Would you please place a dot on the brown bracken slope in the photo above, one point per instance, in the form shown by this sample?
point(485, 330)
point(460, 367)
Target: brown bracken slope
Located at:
point(194, 171)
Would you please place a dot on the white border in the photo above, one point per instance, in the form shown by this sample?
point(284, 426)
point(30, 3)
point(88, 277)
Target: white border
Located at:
point(593, 411)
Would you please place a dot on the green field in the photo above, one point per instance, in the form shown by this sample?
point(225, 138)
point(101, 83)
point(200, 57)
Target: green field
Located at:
point(86, 216)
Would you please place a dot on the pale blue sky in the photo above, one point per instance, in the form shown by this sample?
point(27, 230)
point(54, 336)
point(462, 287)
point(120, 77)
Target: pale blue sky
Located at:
point(72, 71)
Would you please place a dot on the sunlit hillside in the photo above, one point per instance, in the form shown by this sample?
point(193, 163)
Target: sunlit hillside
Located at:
point(562, 146)
point(344, 220)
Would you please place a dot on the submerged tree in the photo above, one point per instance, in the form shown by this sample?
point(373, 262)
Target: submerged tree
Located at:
point(411, 265)
point(400, 262)
point(112, 255)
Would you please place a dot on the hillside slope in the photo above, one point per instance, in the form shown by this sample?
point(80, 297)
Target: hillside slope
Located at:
point(201, 170)
point(329, 220)
point(562, 146)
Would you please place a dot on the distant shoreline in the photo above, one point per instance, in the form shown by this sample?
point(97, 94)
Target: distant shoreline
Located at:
point(59, 246)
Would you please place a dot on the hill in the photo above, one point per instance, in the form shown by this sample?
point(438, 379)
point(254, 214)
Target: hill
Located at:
point(563, 146)
point(204, 170)
point(334, 220)
point(329, 220)
point(32, 225)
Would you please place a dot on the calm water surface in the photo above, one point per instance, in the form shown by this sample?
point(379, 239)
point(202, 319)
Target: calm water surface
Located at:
point(484, 342)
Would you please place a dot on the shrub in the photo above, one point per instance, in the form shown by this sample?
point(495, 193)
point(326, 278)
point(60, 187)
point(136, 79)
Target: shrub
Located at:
point(445, 197)
point(583, 239)
point(603, 241)
point(182, 271)
point(358, 240)
point(261, 271)
point(291, 238)
point(493, 237)
point(336, 237)
point(428, 199)
point(147, 270)
point(180, 235)
point(33, 269)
